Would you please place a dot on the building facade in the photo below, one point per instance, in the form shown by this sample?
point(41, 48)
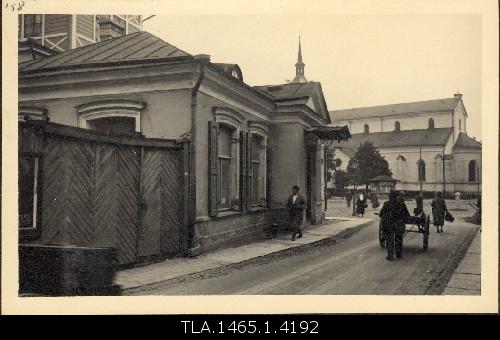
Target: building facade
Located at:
point(245, 147)
point(425, 143)
point(62, 32)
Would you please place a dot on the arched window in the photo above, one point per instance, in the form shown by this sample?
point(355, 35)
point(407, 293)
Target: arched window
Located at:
point(112, 116)
point(460, 125)
point(421, 170)
point(367, 128)
point(431, 123)
point(472, 171)
point(397, 126)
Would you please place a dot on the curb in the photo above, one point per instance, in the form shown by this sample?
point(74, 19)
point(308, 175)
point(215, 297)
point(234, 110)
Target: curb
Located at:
point(292, 250)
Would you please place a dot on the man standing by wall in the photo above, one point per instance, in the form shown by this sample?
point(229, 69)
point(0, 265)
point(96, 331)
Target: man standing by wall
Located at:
point(295, 206)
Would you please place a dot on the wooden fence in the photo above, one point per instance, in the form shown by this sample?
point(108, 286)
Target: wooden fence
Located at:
point(125, 192)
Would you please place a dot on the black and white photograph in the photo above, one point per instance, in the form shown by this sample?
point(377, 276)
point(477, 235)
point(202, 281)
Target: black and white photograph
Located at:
point(254, 152)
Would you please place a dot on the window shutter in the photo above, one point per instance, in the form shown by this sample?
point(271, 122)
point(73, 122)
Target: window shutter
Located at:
point(242, 171)
point(268, 174)
point(249, 171)
point(213, 169)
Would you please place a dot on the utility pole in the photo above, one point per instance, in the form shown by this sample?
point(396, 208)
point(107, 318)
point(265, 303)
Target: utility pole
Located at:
point(420, 173)
point(444, 176)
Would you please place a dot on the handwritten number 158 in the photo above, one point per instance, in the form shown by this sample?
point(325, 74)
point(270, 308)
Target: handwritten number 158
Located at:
point(14, 6)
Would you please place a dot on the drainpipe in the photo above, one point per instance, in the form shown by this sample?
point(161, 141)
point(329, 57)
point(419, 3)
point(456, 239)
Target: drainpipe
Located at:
point(192, 158)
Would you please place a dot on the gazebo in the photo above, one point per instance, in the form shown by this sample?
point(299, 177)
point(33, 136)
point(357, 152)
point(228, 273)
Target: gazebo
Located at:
point(382, 185)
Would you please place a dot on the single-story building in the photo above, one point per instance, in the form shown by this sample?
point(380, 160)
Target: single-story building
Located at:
point(136, 144)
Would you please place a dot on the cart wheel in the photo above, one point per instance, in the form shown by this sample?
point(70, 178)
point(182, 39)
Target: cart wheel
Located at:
point(381, 239)
point(426, 233)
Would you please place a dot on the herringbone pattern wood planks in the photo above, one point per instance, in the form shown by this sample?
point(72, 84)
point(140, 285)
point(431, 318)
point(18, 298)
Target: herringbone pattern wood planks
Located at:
point(170, 236)
point(149, 240)
point(91, 197)
point(127, 205)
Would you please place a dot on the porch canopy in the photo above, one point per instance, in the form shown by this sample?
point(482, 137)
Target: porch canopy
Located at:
point(332, 133)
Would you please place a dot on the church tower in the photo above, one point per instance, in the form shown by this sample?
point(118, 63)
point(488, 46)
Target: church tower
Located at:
point(299, 68)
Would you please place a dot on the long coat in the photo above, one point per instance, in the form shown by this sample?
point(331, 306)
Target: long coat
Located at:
point(438, 210)
point(361, 205)
point(295, 211)
point(394, 215)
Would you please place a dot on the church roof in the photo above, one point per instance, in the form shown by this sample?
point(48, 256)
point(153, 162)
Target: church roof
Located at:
point(464, 141)
point(135, 46)
point(420, 137)
point(437, 105)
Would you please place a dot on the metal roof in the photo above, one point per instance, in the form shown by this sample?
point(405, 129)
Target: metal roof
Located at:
point(289, 91)
point(437, 105)
point(421, 137)
point(464, 141)
point(135, 46)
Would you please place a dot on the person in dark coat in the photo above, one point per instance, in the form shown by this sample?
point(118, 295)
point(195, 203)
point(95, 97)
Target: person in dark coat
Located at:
point(361, 205)
point(348, 198)
point(374, 200)
point(419, 201)
point(439, 209)
point(394, 215)
point(295, 207)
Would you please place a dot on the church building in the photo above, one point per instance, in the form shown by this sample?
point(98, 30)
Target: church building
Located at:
point(425, 143)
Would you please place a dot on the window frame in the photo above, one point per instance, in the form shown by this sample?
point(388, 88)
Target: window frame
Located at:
point(421, 170)
point(220, 159)
point(232, 120)
point(110, 108)
point(262, 131)
point(366, 128)
point(33, 151)
point(475, 170)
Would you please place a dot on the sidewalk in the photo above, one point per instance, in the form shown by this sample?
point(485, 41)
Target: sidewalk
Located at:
point(177, 267)
point(466, 279)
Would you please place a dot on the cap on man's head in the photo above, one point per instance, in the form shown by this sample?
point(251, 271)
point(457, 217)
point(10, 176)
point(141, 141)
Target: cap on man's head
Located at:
point(295, 187)
point(393, 195)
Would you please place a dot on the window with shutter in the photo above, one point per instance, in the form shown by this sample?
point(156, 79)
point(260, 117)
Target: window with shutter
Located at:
point(29, 180)
point(213, 181)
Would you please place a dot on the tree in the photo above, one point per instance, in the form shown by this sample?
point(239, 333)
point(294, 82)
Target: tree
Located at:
point(341, 179)
point(367, 163)
point(331, 163)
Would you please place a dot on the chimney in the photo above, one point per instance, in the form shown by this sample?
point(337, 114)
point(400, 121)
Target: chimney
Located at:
point(204, 57)
point(458, 95)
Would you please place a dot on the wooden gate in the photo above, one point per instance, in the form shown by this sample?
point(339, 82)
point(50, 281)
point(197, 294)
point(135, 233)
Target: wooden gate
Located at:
point(125, 192)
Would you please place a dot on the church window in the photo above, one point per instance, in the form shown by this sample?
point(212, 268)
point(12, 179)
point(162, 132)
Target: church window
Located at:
point(397, 126)
point(366, 128)
point(431, 123)
point(421, 170)
point(472, 171)
point(460, 125)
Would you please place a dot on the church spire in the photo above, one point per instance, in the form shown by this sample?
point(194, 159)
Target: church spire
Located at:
point(299, 68)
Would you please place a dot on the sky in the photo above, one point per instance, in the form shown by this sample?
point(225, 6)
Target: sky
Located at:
point(360, 60)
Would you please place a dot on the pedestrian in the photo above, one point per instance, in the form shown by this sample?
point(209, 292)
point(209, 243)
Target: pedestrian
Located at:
point(419, 202)
point(394, 216)
point(374, 200)
point(401, 196)
point(348, 198)
point(295, 207)
point(439, 210)
point(361, 205)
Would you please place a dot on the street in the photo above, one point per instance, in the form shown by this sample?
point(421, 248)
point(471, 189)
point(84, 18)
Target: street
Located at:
point(352, 265)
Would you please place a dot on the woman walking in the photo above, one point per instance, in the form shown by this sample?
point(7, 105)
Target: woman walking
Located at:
point(439, 210)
